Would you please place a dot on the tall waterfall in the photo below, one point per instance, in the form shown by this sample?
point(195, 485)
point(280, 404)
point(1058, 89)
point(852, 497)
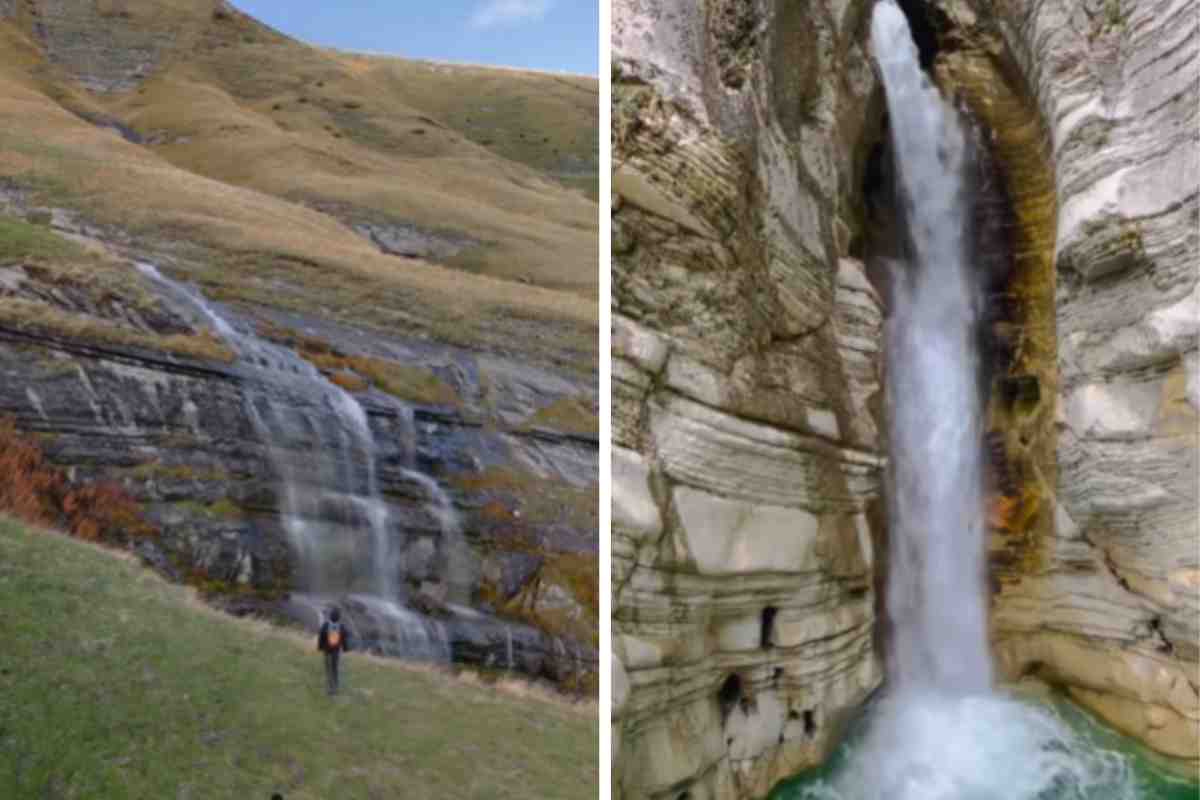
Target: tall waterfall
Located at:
point(935, 591)
point(941, 731)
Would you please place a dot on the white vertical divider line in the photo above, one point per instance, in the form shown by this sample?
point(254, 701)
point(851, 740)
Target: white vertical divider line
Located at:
point(605, 516)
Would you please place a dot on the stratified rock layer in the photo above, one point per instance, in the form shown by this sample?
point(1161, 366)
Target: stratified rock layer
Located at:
point(745, 372)
point(179, 434)
point(1103, 594)
point(746, 465)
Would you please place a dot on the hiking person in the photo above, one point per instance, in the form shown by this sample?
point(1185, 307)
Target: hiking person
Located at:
point(333, 639)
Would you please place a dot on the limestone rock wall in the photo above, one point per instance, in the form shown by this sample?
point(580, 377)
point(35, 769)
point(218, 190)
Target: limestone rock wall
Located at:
point(746, 392)
point(1110, 604)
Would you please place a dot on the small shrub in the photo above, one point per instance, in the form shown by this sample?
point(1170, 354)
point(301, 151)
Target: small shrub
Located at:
point(36, 491)
point(495, 511)
point(105, 511)
point(28, 486)
point(349, 381)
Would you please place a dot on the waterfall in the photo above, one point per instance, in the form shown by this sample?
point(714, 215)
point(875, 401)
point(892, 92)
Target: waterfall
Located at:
point(458, 574)
point(331, 509)
point(935, 591)
point(941, 730)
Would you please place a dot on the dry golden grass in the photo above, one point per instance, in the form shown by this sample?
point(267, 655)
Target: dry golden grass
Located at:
point(229, 202)
point(415, 384)
point(547, 121)
point(34, 317)
point(310, 124)
point(56, 264)
point(568, 415)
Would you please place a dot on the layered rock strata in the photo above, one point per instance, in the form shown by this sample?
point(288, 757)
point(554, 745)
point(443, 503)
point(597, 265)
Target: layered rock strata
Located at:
point(177, 434)
point(1099, 571)
point(746, 409)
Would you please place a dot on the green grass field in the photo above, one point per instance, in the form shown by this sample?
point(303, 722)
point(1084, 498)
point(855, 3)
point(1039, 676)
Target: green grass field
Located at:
point(116, 684)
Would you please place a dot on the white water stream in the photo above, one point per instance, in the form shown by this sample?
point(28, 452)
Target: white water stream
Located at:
point(335, 519)
point(942, 732)
point(935, 586)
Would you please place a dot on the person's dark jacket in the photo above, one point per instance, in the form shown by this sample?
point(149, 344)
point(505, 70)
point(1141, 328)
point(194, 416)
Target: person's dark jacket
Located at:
point(323, 638)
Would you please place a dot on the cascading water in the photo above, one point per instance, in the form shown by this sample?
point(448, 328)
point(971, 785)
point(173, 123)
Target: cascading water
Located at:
point(942, 732)
point(935, 589)
point(457, 570)
point(334, 516)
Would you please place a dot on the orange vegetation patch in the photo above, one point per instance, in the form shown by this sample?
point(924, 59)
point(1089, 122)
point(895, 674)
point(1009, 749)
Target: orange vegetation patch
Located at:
point(1013, 513)
point(414, 384)
point(39, 493)
point(349, 381)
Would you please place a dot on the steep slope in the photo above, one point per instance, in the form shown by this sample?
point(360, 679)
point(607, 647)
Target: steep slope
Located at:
point(451, 289)
point(227, 98)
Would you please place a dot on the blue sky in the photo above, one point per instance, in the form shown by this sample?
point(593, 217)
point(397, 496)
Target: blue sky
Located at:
point(556, 35)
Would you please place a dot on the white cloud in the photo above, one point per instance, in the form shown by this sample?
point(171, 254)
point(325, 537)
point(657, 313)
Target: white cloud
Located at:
point(492, 13)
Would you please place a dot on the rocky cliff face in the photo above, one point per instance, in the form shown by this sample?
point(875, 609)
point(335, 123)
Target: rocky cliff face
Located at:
point(1103, 595)
point(746, 383)
point(746, 377)
point(180, 434)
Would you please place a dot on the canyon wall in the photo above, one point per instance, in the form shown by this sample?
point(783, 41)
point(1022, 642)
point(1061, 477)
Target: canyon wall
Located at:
point(746, 377)
point(1095, 112)
point(746, 392)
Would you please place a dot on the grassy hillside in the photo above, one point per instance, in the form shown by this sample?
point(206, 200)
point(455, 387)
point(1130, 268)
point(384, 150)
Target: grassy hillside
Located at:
point(548, 122)
point(254, 154)
point(118, 685)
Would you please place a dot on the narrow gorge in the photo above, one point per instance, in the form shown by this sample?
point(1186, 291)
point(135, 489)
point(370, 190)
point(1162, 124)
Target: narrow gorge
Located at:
point(764, 483)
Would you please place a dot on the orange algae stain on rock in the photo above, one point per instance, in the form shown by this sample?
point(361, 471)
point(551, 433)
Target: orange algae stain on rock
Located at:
point(1021, 516)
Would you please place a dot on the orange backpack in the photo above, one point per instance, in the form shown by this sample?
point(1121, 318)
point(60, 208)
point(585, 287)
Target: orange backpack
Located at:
point(333, 636)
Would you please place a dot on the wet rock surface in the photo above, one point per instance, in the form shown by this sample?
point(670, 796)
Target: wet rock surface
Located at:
point(176, 433)
point(439, 633)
